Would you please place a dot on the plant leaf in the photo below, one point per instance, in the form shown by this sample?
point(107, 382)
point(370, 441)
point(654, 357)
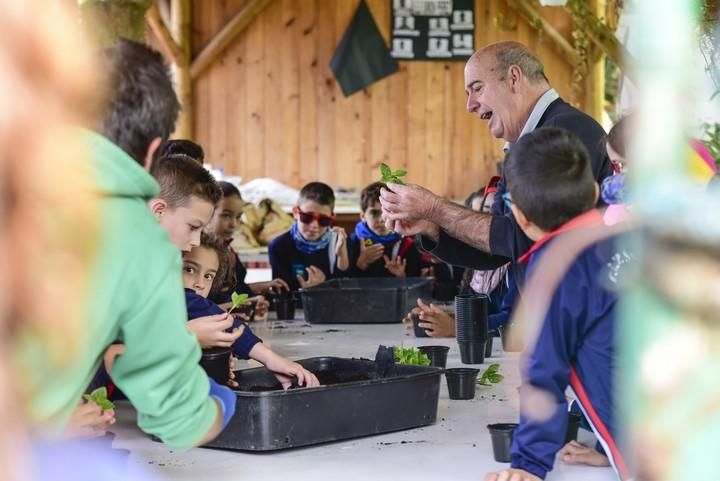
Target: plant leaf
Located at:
point(237, 300)
point(385, 170)
point(400, 173)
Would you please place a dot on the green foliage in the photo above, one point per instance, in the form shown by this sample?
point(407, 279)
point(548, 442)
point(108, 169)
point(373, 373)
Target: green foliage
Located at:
point(390, 176)
point(491, 375)
point(237, 301)
point(410, 356)
point(99, 397)
point(711, 139)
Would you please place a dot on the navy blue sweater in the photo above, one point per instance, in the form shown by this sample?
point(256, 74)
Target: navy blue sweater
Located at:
point(198, 306)
point(407, 251)
point(575, 348)
point(287, 261)
point(507, 241)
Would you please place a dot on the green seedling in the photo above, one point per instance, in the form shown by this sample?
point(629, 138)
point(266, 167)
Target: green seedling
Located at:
point(237, 301)
point(390, 176)
point(99, 397)
point(491, 375)
point(410, 356)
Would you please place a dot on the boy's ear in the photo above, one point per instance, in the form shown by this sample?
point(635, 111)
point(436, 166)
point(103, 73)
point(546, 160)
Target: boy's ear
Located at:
point(158, 207)
point(150, 154)
point(520, 218)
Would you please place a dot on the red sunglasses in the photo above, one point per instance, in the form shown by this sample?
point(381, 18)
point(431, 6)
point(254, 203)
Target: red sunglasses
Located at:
point(308, 217)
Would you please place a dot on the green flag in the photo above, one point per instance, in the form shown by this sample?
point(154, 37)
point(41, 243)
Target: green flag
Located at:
point(362, 56)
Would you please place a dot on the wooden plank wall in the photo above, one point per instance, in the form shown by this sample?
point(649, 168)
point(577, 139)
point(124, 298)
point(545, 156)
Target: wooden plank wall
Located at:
point(270, 106)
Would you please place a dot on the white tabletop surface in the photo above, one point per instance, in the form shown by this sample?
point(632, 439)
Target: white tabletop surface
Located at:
point(457, 447)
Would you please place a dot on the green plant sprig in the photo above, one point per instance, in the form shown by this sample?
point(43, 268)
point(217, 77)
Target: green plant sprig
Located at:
point(99, 397)
point(491, 375)
point(390, 176)
point(410, 356)
point(237, 301)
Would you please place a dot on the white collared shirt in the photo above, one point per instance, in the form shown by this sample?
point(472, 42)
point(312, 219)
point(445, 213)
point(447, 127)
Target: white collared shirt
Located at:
point(537, 112)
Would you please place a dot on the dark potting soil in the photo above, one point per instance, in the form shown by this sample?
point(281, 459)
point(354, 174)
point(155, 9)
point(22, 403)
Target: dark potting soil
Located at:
point(326, 378)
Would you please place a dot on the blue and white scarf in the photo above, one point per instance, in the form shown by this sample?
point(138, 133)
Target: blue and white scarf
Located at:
point(363, 232)
point(310, 247)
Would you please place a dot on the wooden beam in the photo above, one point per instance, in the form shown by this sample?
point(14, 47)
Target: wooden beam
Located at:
point(169, 47)
point(537, 21)
point(236, 25)
point(601, 35)
point(180, 18)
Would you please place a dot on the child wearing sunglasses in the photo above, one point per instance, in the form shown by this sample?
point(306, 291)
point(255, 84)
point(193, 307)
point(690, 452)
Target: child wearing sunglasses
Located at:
point(312, 251)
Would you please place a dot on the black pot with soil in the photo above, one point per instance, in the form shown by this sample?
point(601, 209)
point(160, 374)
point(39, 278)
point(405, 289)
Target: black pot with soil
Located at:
point(284, 305)
point(436, 354)
point(419, 331)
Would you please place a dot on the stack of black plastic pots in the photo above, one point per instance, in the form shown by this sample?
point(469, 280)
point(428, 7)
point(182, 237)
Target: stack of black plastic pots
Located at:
point(471, 327)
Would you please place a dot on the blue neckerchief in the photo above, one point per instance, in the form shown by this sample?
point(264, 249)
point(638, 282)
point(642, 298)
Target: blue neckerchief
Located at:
point(308, 247)
point(363, 232)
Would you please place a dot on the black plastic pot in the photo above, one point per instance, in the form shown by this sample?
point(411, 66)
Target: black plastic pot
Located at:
point(419, 331)
point(285, 308)
point(472, 352)
point(488, 347)
point(573, 425)
point(248, 309)
point(436, 354)
point(216, 362)
point(471, 317)
point(502, 437)
point(461, 382)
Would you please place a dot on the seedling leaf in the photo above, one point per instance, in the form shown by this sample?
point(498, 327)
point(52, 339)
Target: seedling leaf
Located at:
point(237, 301)
point(99, 397)
point(410, 356)
point(491, 375)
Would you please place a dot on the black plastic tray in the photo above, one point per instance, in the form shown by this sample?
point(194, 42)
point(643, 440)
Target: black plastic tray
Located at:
point(369, 300)
point(361, 404)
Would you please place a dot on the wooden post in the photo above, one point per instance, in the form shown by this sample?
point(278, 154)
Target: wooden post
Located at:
point(167, 44)
point(180, 17)
point(236, 25)
point(107, 20)
point(595, 80)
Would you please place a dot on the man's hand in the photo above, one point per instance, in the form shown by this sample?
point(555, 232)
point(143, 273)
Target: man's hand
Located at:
point(511, 475)
point(396, 267)
point(408, 202)
point(369, 254)
point(315, 277)
point(210, 330)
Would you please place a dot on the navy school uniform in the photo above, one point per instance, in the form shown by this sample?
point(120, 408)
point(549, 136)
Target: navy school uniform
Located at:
point(575, 348)
point(198, 306)
point(287, 261)
point(403, 247)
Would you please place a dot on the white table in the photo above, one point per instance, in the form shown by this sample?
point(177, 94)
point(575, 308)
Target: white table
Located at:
point(457, 447)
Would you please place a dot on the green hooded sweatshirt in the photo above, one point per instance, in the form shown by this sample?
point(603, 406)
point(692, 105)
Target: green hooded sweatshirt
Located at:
point(136, 297)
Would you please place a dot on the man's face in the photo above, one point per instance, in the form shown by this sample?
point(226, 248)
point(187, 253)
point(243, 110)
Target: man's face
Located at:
point(491, 98)
point(373, 217)
point(184, 224)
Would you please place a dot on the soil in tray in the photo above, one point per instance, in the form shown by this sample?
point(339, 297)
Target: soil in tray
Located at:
point(326, 378)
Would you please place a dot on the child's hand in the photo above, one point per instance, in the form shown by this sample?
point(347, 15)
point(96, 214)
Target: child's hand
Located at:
point(210, 330)
point(284, 370)
point(576, 453)
point(511, 475)
point(233, 368)
point(341, 240)
point(369, 254)
point(437, 322)
point(261, 305)
point(396, 267)
point(315, 277)
point(89, 421)
point(407, 320)
point(111, 353)
point(276, 286)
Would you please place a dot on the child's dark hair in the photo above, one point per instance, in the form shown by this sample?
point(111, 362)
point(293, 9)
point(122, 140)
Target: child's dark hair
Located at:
point(183, 147)
point(181, 178)
point(225, 279)
point(141, 104)
point(617, 138)
point(370, 195)
point(229, 190)
point(549, 177)
point(318, 192)
point(478, 193)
